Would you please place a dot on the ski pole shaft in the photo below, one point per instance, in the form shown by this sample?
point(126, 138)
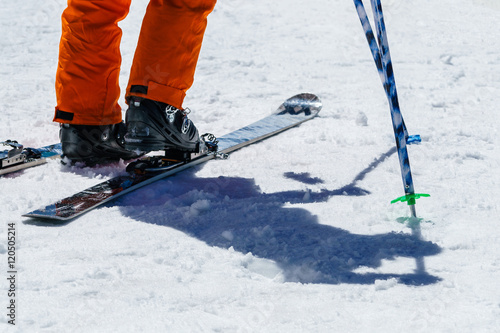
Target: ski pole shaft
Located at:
point(379, 48)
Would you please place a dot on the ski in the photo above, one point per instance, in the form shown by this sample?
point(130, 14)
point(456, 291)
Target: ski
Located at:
point(292, 112)
point(16, 157)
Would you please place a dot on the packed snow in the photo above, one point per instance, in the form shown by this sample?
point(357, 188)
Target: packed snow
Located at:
point(293, 234)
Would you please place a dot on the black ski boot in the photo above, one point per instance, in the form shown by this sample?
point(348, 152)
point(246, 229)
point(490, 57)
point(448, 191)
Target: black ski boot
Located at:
point(156, 126)
point(94, 144)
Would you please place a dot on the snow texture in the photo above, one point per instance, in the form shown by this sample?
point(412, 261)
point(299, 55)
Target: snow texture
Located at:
point(294, 234)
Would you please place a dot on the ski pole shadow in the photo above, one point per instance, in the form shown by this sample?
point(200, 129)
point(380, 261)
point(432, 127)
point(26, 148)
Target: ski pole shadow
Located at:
point(233, 212)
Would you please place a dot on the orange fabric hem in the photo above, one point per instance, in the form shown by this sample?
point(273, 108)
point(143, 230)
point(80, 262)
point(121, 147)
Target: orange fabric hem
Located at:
point(88, 119)
point(161, 93)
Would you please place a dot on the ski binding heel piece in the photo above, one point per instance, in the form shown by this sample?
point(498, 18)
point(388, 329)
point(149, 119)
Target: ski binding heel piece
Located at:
point(13, 156)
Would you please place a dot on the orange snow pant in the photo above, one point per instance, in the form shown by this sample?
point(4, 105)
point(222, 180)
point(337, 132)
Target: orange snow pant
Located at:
point(87, 87)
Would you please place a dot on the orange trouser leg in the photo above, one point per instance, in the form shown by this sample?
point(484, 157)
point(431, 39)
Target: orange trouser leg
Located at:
point(87, 86)
point(168, 48)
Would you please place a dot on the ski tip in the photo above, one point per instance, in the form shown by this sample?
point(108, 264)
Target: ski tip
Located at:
point(49, 214)
point(44, 220)
point(45, 217)
point(305, 104)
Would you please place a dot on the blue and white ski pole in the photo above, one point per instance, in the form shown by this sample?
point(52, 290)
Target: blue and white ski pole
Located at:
point(382, 58)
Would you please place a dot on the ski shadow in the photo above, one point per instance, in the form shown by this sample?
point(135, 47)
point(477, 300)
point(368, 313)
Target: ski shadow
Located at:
point(233, 212)
point(14, 174)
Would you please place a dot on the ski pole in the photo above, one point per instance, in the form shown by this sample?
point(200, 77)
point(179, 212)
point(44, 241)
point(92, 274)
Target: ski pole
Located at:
point(381, 55)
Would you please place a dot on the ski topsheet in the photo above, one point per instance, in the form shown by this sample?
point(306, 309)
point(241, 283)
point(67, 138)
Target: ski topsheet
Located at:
point(19, 157)
point(292, 112)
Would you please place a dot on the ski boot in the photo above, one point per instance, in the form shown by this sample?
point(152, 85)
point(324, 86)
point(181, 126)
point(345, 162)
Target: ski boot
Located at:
point(153, 126)
point(94, 144)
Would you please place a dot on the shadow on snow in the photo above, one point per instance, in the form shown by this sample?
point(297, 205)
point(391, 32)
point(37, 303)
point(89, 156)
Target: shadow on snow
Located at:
point(233, 212)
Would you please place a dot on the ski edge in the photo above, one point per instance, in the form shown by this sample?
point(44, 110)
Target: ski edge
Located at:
point(180, 168)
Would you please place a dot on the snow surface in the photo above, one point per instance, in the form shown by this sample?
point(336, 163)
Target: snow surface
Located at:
point(294, 234)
